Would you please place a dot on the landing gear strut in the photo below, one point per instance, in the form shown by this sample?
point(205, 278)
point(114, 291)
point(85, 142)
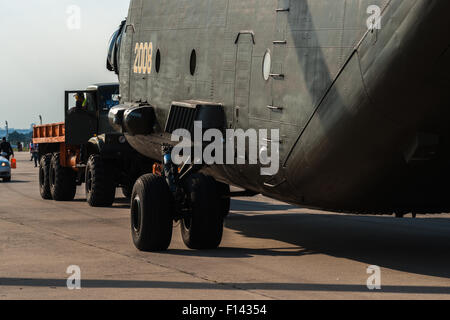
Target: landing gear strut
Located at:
point(192, 198)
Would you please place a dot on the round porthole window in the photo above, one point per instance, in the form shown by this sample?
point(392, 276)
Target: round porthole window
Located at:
point(193, 62)
point(158, 61)
point(267, 65)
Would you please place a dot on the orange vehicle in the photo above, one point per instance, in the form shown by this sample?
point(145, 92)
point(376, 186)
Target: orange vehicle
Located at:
point(55, 134)
point(86, 149)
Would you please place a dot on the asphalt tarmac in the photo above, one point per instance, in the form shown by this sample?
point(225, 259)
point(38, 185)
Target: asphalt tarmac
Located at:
point(270, 250)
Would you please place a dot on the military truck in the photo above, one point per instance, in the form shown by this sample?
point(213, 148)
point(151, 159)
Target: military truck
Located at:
point(85, 149)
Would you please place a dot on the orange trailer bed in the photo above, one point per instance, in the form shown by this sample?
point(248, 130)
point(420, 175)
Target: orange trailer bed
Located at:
point(49, 133)
point(55, 134)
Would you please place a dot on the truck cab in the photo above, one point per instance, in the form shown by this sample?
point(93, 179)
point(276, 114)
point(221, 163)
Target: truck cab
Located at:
point(91, 119)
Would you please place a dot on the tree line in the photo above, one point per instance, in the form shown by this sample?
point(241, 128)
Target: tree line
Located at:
point(16, 137)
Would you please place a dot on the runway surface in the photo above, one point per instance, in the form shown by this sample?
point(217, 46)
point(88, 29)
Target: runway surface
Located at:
point(270, 250)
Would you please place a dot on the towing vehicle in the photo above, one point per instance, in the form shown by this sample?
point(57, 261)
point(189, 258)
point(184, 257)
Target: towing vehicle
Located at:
point(85, 149)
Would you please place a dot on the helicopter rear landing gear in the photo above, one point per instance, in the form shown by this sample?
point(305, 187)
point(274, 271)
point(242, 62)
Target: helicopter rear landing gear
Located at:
point(192, 198)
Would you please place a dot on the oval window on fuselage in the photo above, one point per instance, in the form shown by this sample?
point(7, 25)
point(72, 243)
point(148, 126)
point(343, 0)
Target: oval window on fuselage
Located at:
point(193, 62)
point(158, 61)
point(267, 65)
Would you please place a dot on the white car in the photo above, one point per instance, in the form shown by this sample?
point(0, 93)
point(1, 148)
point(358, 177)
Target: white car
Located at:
point(5, 168)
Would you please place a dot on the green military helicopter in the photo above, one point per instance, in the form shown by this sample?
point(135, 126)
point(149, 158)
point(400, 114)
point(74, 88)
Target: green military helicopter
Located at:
point(357, 91)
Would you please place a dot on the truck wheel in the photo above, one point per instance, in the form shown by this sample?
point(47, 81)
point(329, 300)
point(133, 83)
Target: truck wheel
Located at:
point(7, 179)
point(203, 229)
point(44, 177)
point(100, 188)
point(63, 184)
point(151, 213)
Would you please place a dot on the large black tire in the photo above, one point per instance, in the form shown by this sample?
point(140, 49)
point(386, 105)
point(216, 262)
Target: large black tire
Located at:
point(225, 201)
point(204, 228)
point(63, 183)
point(100, 187)
point(151, 213)
point(44, 177)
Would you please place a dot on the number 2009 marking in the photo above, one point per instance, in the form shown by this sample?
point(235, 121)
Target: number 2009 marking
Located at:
point(143, 60)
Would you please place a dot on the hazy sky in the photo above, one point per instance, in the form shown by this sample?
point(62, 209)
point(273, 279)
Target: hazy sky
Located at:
point(40, 56)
